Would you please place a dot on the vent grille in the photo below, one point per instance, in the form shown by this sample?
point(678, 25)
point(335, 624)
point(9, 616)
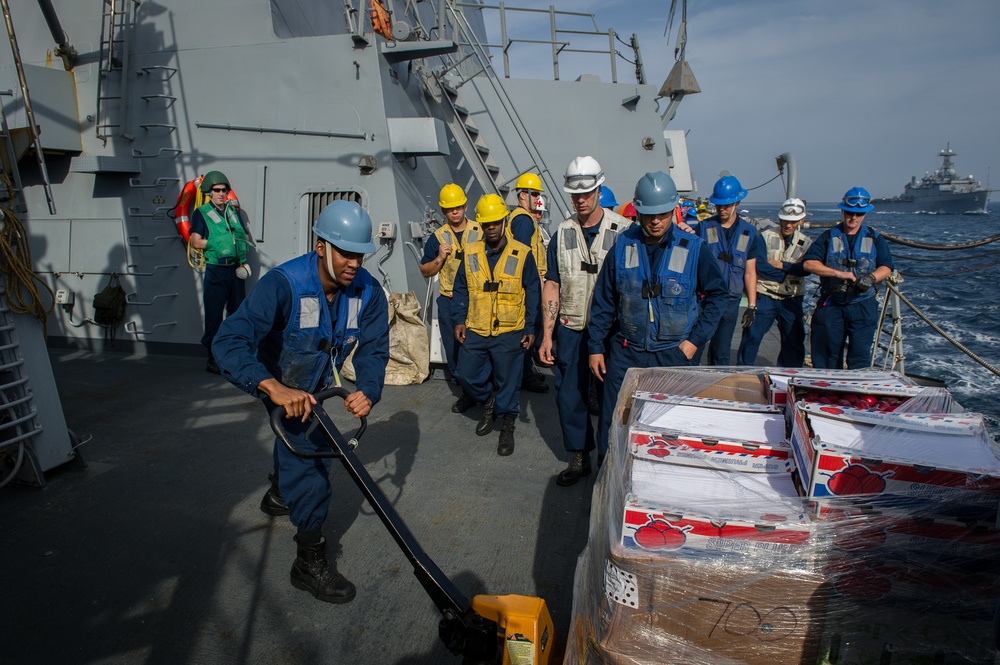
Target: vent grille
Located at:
point(320, 200)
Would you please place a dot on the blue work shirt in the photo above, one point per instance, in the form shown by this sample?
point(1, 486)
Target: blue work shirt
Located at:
point(432, 246)
point(249, 342)
point(710, 284)
point(522, 228)
point(529, 280)
point(817, 251)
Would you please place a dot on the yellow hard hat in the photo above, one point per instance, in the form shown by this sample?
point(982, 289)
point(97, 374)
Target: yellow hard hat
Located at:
point(452, 196)
point(490, 208)
point(529, 181)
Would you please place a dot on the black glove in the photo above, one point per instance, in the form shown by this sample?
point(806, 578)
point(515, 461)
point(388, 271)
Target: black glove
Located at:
point(748, 316)
point(865, 283)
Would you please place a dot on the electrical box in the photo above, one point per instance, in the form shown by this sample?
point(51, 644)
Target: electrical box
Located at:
point(64, 297)
point(387, 230)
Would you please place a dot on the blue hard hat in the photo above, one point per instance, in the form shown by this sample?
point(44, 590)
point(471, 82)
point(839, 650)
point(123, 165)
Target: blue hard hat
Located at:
point(655, 193)
point(346, 226)
point(856, 199)
point(727, 191)
point(608, 198)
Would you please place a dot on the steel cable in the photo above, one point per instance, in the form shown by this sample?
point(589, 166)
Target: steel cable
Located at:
point(958, 345)
point(923, 245)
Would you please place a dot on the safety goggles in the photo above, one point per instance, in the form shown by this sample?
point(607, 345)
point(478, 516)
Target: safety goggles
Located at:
point(583, 183)
point(857, 201)
point(792, 210)
point(220, 190)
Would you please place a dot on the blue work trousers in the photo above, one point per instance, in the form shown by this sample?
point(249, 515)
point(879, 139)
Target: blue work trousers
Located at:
point(487, 361)
point(448, 318)
point(620, 359)
point(788, 313)
point(573, 379)
point(836, 327)
point(719, 347)
point(222, 292)
point(304, 483)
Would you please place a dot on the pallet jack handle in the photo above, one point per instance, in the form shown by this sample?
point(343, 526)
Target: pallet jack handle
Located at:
point(461, 629)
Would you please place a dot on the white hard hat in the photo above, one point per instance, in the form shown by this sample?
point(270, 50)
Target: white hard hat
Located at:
point(792, 210)
point(584, 174)
point(540, 204)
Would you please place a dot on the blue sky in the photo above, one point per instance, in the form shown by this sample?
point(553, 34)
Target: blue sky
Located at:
point(862, 93)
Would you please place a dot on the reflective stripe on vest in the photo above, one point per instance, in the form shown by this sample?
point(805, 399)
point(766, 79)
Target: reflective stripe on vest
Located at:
point(310, 341)
point(496, 297)
point(226, 243)
point(732, 258)
point(657, 311)
point(447, 236)
point(537, 246)
point(839, 256)
point(579, 265)
point(777, 250)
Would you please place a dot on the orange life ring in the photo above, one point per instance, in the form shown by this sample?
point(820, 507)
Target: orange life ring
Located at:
point(189, 200)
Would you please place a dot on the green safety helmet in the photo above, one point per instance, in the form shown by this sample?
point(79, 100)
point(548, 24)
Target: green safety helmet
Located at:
point(213, 178)
point(346, 226)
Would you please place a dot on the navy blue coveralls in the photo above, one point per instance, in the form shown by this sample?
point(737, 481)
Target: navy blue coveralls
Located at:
point(787, 311)
point(270, 334)
point(843, 317)
point(222, 290)
point(732, 264)
point(628, 293)
point(573, 377)
point(500, 356)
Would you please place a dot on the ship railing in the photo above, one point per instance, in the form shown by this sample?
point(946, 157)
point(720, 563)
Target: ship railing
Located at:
point(556, 41)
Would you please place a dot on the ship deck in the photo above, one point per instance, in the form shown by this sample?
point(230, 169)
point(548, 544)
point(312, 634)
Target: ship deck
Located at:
point(157, 552)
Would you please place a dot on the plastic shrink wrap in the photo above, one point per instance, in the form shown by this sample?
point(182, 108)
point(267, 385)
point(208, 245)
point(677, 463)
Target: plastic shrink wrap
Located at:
point(757, 516)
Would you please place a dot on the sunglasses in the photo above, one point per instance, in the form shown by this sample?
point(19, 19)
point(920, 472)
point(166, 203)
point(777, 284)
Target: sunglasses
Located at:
point(857, 201)
point(582, 183)
point(221, 190)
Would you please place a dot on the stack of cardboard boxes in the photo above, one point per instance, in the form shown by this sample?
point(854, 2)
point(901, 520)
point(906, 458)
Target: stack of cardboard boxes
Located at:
point(842, 517)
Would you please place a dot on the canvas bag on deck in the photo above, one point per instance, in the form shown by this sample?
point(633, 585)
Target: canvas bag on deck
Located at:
point(109, 304)
point(409, 344)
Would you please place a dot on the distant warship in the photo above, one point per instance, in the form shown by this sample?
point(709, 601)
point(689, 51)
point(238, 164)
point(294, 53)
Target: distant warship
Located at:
point(939, 192)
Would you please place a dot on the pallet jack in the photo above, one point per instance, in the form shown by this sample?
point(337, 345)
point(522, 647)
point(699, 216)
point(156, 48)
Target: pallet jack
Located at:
point(491, 630)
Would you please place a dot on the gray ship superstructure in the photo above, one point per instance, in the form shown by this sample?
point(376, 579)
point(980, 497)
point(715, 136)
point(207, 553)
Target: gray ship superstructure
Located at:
point(114, 106)
point(939, 192)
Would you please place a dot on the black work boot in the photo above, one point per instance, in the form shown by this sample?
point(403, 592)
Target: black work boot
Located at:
point(506, 445)
point(273, 503)
point(311, 572)
point(485, 425)
point(464, 403)
point(578, 467)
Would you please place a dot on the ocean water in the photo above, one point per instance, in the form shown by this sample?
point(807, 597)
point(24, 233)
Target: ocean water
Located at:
point(966, 305)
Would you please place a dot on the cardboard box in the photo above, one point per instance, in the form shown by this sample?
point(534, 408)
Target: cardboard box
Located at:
point(750, 388)
point(706, 402)
point(710, 452)
point(696, 612)
point(778, 377)
point(690, 511)
point(759, 424)
point(936, 463)
point(798, 387)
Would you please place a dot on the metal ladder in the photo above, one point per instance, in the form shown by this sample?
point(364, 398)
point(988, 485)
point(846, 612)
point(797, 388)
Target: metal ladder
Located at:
point(117, 21)
point(15, 194)
point(474, 149)
point(18, 415)
point(29, 113)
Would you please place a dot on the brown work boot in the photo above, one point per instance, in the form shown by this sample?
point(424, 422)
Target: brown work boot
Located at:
point(273, 503)
point(578, 467)
point(312, 572)
point(485, 425)
point(506, 445)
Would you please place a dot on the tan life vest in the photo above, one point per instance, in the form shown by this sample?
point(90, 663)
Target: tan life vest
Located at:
point(579, 265)
point(496, 298)
point(537, 246)
point(446, 236)
point(791, 286)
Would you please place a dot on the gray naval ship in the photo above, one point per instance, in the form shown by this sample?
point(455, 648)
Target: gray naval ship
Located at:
point(941, 192)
